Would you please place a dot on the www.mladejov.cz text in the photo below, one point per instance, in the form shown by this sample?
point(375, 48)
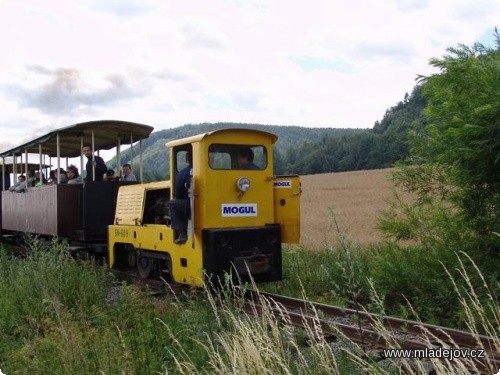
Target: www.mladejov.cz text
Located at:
point(441, 353)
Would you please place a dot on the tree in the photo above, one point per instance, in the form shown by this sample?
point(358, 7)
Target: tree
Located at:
point(464, 132)
point(457, 156)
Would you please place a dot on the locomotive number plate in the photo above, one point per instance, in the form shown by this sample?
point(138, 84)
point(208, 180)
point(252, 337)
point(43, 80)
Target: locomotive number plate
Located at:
point(123, 233)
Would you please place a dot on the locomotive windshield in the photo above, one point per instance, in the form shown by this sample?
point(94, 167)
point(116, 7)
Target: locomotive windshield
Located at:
point(224, 156)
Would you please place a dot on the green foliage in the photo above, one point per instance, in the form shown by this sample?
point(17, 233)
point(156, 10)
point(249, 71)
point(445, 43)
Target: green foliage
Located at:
point(430, 220)
point(463, 137)
point(416, 276)
point(455, 172)
point(335, 275)
point(464, 111)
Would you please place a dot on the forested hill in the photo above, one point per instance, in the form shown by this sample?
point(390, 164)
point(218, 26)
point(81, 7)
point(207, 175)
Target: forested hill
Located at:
point(379, 147)
point(303, 150)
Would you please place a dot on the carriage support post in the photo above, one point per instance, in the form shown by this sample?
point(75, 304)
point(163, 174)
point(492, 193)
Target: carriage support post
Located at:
point(93, 156)
point(3, 173)
point(58, 142)
point(40, 160)
point(118, 156)
point(140, 161)
point(26, 164)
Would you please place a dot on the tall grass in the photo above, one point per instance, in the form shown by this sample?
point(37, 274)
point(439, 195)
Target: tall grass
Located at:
point(270, 344)
point(60, 315)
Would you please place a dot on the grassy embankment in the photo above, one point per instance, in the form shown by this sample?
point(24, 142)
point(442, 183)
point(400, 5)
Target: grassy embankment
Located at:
point(63, 316)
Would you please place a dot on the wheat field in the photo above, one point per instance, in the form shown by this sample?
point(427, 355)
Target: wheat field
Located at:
point(354, 198)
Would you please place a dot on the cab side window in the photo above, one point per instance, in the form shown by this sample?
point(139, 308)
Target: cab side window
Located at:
point(241, 156)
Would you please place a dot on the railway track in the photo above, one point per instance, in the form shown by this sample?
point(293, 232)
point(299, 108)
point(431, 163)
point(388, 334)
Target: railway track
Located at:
point(372, 332)
point(376, 332)
point(155, 287)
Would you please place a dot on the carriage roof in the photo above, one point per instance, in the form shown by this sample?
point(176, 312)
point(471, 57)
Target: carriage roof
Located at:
point(106, 135)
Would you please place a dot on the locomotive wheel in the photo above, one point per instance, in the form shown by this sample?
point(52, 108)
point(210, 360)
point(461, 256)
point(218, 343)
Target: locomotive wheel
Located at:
point(131, 258)
point(166, 270)
point(145, 266)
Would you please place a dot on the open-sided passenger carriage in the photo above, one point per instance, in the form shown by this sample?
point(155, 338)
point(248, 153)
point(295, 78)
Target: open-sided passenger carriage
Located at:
point(79, 212)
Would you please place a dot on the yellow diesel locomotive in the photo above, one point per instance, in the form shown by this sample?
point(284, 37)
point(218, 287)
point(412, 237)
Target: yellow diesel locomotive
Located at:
point(239, 217)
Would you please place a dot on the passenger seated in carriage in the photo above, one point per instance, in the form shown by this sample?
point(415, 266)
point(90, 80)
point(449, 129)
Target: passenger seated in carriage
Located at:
point(64, 177)
point(73, 175)
point(27, 183)
point(54, 174)
point(128, 175)
point(20, 180)
point(52, 178)
point(39, 179)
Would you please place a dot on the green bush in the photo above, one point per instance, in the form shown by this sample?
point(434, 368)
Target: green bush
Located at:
point(335, 274)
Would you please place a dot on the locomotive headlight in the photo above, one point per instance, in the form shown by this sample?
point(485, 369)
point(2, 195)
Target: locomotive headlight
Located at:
point(243, 184)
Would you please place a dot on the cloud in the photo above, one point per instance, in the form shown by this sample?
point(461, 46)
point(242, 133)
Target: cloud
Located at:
point(251, 3)
point(310, 63)
point(67, 91)
point(170, 62)
point(475, 10)
point(58, 95)
point(121, 8)
point(169, 75)
point(194, 38)
point(249, 101)
point(394, 50)
point(411, 5)
point(4, 146)
point(38, 69)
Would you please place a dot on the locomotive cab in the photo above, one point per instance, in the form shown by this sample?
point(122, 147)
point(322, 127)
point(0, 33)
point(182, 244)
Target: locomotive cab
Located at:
point(239, 213)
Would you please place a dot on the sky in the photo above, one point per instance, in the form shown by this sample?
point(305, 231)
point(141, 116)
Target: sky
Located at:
point(166, 63)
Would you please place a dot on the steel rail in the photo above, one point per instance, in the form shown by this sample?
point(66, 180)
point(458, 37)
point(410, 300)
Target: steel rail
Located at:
point(445, 334)
point(361, 327)
point(156, 285)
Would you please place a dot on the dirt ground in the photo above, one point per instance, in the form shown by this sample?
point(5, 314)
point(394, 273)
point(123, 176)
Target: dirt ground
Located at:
point(353, 198)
